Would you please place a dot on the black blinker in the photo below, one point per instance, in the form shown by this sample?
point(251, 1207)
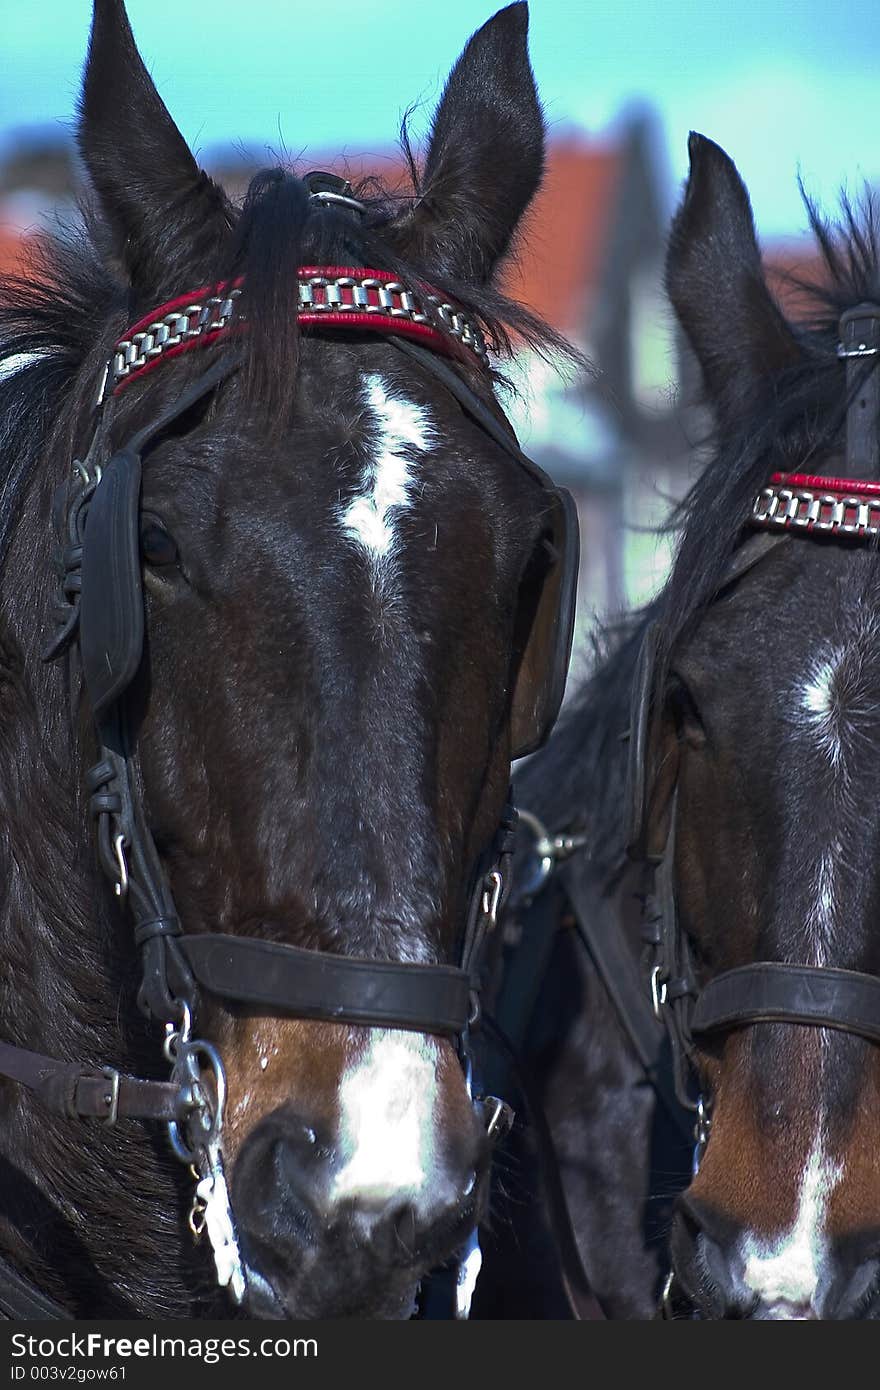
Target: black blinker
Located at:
point(111, 604)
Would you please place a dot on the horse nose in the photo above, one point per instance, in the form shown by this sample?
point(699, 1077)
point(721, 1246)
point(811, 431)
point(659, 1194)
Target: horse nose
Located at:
point(401, 1229)
point(723, 1271)
point(298, 1188)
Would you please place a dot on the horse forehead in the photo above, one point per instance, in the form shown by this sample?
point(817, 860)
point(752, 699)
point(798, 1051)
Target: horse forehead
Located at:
point(382, 428)
point(802, 632)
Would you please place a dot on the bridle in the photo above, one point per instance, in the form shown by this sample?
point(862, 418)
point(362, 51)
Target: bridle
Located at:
point(792, 505)
point(101, 609)
point(664, 995)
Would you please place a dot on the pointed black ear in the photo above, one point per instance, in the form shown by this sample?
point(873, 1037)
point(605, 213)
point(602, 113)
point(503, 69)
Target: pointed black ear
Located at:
point(486, 152)
point(162, 210)
point(715, 280)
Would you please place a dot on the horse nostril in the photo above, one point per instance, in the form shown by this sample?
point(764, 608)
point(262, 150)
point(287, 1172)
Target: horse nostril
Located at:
point(390, 1231)
point(404, 1229)
point(854, 1294)
point(703, 1259)
point(297, 1158)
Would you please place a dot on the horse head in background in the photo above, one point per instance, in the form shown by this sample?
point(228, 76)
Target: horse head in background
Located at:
point(721, 765)
point(309, 594)
point(766, 743)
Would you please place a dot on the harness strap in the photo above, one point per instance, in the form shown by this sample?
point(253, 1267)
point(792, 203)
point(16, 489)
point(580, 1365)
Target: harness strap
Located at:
point(522, 975)
point(774, 992)
point(496, 426)
point(315, 984)
point(599, 930)
point(582, 1300)
point(859, 348)
point(80, 1092)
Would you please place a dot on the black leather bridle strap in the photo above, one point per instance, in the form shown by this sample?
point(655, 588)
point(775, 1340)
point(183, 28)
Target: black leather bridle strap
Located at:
point(346, 989)
point(496, 427)
point(860, 348)
point(583, 1302)
point(81, 1092)
point(598, 926)
point(773, 992)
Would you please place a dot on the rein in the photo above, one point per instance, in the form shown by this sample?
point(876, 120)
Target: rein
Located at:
point(102, 613)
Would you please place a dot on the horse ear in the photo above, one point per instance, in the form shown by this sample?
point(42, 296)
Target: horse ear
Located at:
point(715, 280)
point(486, 152)
point(163, 211)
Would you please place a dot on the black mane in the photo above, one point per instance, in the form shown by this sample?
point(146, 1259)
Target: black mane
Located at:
point(795, 420)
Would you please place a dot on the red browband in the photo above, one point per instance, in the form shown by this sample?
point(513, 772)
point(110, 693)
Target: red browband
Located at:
point(327, 297)
point(846, 487)
point(810, 502)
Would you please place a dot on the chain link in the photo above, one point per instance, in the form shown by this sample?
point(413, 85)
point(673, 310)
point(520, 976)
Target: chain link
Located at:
point(207, 316)
point(799, 508)
point(365, 294)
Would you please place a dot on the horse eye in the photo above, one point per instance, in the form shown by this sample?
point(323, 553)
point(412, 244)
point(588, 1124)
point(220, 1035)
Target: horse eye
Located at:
point(157, 546)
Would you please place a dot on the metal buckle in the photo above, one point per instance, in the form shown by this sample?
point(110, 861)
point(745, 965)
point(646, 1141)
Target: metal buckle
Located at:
point(341, 199)
point(862, 350)
point(112, 1076)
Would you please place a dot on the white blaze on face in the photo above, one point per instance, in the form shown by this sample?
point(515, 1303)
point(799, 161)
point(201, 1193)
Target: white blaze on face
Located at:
point(402, 429)
point(785, 1273)
point(817, 691)
point(387, 1113)
point(820, 715)
point(820, 921)
point(818, 704)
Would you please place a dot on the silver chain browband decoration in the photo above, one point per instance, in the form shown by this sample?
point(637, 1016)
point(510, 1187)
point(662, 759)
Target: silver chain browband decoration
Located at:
point(785, 506)
point(846, 506)
point(319, 295)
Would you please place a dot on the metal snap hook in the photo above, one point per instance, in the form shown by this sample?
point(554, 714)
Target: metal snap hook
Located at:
point(197, 1219)
point(177, 1033)
point(493, 884)
point(121, 886)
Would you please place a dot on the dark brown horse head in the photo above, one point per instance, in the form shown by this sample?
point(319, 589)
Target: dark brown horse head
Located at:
point(342, 573)
point(770, 734)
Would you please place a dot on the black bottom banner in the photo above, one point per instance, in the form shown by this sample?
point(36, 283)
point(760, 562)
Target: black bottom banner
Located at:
point(262, 1356)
